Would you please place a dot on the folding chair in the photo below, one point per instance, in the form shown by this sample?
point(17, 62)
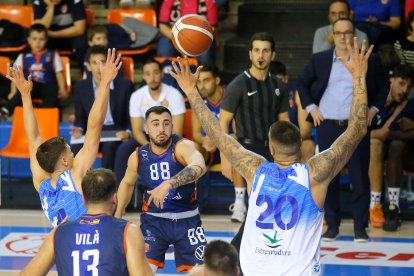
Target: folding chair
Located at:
point(148, 16)
point(128, 68)
point(48, 123)
point(4, 65)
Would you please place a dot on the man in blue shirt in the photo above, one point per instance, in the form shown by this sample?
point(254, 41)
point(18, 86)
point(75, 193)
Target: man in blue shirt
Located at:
point(325, 90)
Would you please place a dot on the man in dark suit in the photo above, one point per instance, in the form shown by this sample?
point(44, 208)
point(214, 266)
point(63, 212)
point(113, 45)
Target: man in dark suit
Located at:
point(117, 115)
point(325, 90)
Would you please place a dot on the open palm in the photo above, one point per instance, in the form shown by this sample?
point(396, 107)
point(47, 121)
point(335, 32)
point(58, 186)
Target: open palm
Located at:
point(17, 77)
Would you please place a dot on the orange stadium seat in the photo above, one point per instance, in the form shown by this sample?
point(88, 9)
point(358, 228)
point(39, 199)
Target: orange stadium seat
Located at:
point(4, 65)
point(22, 15)
point(148, 16)
point(128, 68)
point(188, 129)
point(66, 73)
point(48, 123)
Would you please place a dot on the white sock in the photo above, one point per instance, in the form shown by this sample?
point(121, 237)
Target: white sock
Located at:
point(375, 198)
point(240, 193)
point(394, 195)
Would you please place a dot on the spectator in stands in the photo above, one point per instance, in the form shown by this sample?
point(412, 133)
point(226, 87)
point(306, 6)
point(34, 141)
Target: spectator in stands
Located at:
point(66, 22)
point(255, 99)
point(323, 39)
point(400, 157)
point(379, 19)
point(171, 11)
point(117, 115)
point(325, 90)
point(405, 46)
point(212, 92)
point(401, 82)
point(220, 258)
point(46, 69)
point(154, 93)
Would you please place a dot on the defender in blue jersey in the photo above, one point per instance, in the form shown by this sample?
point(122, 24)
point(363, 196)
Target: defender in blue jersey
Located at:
point(95, 243)
point(57, 175)
point(284, 222)
point(169, 167)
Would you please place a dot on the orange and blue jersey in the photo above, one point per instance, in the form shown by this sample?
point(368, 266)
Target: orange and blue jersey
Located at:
point(40, 66)
point(91, 245)
point(153, 169)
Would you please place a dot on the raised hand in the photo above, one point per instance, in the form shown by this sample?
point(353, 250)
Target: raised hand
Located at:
point(185, 79)
point(110, 69)
point(357, 64)
point(16, 76)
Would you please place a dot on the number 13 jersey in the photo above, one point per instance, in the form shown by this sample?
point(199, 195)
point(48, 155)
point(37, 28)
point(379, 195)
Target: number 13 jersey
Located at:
point(283, 226)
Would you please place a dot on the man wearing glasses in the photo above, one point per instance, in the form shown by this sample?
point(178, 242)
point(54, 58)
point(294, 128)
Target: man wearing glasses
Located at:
point(325, 90)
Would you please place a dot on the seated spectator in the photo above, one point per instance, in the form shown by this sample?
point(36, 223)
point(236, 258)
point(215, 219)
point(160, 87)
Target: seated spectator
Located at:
point(220, 258)
point(323, 39)
point(210, 89)
point(401, 81)
point(405, 46)
point(46, 69)
point(400, 157)
point(171, 11)
point(379, 19)
point(117, 115)
point(154, 93)
point(66, 22)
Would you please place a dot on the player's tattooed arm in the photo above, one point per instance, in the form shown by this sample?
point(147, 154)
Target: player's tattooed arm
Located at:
point(187, 175)
point(326, 165)
point(244, 161)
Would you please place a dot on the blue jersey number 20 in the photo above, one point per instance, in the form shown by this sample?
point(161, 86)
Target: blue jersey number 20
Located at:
point(276, 210)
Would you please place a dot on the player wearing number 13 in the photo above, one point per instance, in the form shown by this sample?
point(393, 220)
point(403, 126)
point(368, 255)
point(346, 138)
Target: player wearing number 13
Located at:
point(96, 243)
point(169, 166)
point(284, 221)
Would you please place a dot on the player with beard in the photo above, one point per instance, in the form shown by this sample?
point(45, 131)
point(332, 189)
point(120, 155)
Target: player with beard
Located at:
point(169, 167)
point(154, 93)
point(255, 99)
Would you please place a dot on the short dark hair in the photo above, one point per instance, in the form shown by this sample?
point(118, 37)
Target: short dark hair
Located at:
point(157, 110)
point(277, 68)
point(221, 257)
point(408, 20)
point(149, 61)
point(40, 28)
point(344, 19)
point(263, 36)
point(388, 57)
point(98, 185)
point(210, 67)
point(404, 71)
point(286, 137)
point(96, 29)
point(96, 50)
point(49, 152)
point(345, 2)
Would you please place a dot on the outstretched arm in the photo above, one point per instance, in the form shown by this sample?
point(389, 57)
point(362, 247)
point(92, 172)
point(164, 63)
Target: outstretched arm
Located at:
point(87, 155)
point(326, 165)
point(244, 161)
point(194, 169)
point(31, 128)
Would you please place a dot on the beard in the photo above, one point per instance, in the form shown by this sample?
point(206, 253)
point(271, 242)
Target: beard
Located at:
point(262, 65)
point(161, 144)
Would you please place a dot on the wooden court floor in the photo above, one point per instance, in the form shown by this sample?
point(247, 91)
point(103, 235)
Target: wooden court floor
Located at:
point(388, 253)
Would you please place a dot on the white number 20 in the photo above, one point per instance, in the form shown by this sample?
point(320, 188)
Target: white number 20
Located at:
point(85, 256)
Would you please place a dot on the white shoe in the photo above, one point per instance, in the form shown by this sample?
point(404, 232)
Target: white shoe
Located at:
point(239, 212)
point(126, 4)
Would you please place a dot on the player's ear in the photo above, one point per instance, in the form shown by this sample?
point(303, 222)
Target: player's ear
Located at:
point(146, 128)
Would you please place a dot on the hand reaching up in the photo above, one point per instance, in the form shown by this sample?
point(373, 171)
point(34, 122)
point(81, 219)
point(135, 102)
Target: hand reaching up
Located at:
point(357, 64)
point(185, 79)
point(16, 76)
point(110, 69)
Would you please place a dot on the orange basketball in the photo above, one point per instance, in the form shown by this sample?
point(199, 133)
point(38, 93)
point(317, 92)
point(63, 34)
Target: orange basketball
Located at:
point(192, 35)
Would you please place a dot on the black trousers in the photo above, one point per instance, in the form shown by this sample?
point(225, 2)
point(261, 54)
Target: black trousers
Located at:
point(358, 166)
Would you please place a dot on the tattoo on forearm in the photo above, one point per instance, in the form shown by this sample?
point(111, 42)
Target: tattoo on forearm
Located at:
point(187, 175)
point(246, 164)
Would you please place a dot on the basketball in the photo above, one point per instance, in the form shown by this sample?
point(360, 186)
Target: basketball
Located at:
point(192, 35)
